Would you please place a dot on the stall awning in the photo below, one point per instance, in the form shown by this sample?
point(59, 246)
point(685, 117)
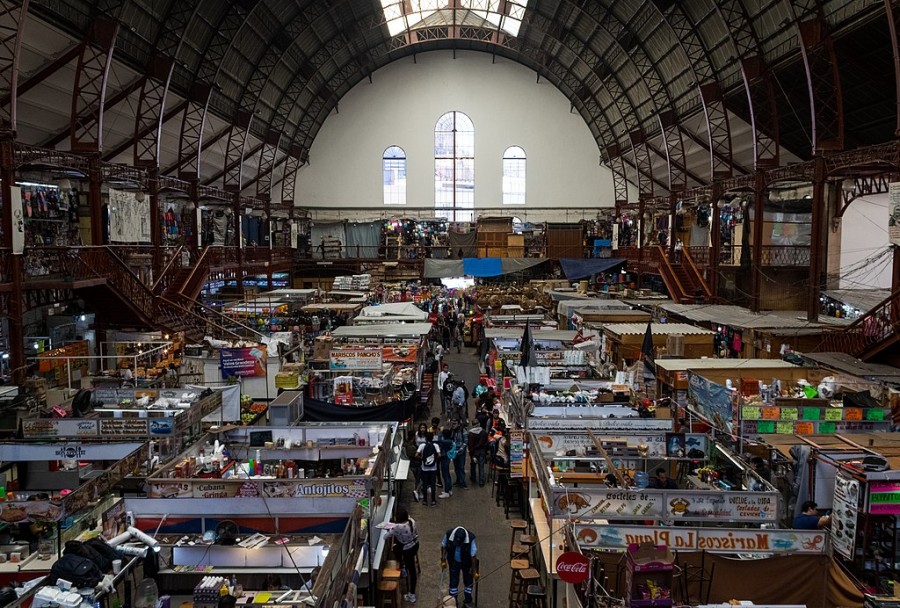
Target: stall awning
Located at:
point(576, 268)
point(477, 267)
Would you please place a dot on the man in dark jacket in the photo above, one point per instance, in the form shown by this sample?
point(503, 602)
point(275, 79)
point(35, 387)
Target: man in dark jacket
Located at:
point(458, 551)
point(477, 445)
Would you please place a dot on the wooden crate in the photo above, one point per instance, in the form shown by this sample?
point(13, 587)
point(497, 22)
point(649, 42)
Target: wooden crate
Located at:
point(515, 245)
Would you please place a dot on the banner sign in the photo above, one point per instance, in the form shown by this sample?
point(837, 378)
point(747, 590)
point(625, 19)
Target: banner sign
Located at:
point(845, 508)
point(400, 354)
point(884, 497)
point(517, 453)
point(685, 505)
point(549, 443)
point(894, 215)
point(355, 359)
point(53, 428)
point(600, 424)
point(243, 362)
point(712, 540)
point(347, 487)
point(713, 401)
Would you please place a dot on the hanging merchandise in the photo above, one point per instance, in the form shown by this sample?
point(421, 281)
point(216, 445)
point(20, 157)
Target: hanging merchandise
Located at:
point(129, 217)
point(50, 215)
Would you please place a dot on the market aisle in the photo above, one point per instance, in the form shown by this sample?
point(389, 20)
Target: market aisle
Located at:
point(473, 508)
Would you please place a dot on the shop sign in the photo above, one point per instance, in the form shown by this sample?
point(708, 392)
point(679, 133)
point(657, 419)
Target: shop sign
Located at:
point(36, 510)
point(59, 427)
point(123, 427)
point(884, 497)
point(845, 507)
point(316, 488)
point(600, 424)
point(685, 505)
point(170, 489)
point(243, 362)
point(215, 489)
point(712, 540)
point(356, 359)
point(573, 567)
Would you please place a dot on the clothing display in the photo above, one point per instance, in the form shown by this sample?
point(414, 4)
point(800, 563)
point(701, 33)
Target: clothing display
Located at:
point(129, 216)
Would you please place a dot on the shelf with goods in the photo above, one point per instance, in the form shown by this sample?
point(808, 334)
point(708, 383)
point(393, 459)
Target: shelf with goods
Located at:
point(410, 238)
point(50, 215)
point(649, 576)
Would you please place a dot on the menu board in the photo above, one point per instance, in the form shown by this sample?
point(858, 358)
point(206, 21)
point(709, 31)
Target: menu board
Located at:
point(845, 508)
point(517, 453)
point(52, 428)
point(123, 427)
point(807, 427)
point(884, 497)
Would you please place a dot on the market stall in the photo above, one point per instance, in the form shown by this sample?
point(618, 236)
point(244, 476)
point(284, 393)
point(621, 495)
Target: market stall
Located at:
point(554, 350)
point(623, 341)
point(399, 312)
point(279, 500)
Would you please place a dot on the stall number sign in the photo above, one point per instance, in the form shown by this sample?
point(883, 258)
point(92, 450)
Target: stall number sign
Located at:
point(355, 360)
point(713, 540)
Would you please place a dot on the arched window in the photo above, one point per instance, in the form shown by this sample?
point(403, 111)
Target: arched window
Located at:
point(393, 167)
point(514, 176)
point(454, 167)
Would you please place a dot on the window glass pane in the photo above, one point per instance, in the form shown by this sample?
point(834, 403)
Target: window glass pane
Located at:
point(454, 167)
point(514, 176)
point(393, 166)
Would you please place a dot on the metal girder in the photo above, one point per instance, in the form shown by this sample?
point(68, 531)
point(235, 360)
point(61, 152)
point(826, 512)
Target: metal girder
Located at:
point(230, 167)
point(678, 173)
point(190, 145)
point(42, 74)
point(720, 158)
point(114, 100)
point(642, 164)
point(700, 142)
point(292, 163)
point(643, 175)
point(174, 167)
point(620, 179)
point(234, 151)
point(865, 186)
point(757, 82)
point(267, 165)
point(89, 90)
point(892, 13)
point(122, 147)
point(13, 16)
point(825, 99)
point(148, 119)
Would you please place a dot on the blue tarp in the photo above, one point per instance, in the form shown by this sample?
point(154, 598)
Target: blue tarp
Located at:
point(577, 268)
point(482, 267)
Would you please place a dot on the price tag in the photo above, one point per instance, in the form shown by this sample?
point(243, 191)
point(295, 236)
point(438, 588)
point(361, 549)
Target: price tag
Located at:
point(812, 413)
point(852, 413)
point(826, 427)
point(771, 413)
point(784, 428)
point(875, 413)
point(833, 414)
point(804, 428)
point(789, 413)
point(751, 413)
point(765, 427)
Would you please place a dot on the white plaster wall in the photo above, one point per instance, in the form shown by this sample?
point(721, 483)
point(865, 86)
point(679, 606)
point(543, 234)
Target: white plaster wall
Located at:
point(401, 106)
point(864, 236)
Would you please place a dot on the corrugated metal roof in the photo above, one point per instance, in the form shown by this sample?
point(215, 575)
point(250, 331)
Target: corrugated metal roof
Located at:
point(849, 364)
point(553, 334)
point(383, 329)
point(860, 299)
point(742, 318)
point(657, 329)
point(681, 365)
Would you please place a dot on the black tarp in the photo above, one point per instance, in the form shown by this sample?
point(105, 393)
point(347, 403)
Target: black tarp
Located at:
point(462, 242)
point(576, 268)
point(323, 411)
point(860, 399)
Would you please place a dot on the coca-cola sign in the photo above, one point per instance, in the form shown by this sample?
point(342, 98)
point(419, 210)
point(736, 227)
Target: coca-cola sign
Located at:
point(572, 567)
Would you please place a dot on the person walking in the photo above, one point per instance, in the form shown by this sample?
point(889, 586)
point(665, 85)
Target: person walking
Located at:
point(429, 454)
point(442, 380)
point(448, 454)
point(458, 401)
point(411, 448)
point(460, 438)
point(477, 446)
point(459, 553)
point(457, 337)
point(406, 542)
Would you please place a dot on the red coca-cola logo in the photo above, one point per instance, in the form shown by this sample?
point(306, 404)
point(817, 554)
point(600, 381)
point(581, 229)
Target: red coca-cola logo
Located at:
point(573, 567)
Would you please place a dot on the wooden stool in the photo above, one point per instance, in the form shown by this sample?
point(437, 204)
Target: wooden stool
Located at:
point(537, 597)
point(394, 575)
point(529, 541)
point(522, 580)
point(518, 526)
point(389, 594)
point(519, 551)
point(516, 565)
point(392, 564)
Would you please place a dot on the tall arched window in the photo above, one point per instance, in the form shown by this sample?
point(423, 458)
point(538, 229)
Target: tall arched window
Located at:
point(514, 176)
point(454, 167)
point(393, 166)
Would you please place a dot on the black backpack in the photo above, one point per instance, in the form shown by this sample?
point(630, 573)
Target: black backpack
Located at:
point(428, 455)
point(105, 550)
point(79, 571)
point(75, 547)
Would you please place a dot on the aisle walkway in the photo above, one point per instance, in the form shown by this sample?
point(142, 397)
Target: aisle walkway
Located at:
point(473, 508)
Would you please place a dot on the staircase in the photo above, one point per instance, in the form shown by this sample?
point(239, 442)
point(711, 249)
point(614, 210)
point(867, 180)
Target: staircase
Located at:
point(183, 276)
point(683, 279)
point(871, 333)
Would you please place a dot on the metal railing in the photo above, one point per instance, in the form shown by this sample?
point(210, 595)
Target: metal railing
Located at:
point(771, 255)
point(869, 333)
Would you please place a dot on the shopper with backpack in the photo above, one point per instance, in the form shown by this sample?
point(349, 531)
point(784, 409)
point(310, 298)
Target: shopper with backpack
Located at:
point(429, 454)
point(448, 454)
point(460, 439)
point(458, 552)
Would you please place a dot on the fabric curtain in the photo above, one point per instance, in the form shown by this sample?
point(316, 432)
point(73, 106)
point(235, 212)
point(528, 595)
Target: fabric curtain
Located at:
point(334, 232)
point(366, 236)
point(482, 267)
point(443, 269)
point(518, 264)
point(462, 245)
point(699, 236)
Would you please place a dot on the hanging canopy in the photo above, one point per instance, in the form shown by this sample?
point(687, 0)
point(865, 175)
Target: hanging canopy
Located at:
point(393, 312)
point(477, 267)
point(577, 268)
